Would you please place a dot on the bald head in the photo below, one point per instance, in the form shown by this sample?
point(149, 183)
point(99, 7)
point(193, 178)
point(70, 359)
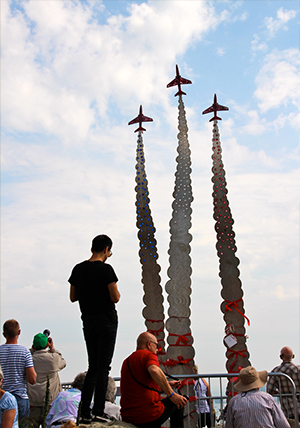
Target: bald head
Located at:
point(146, 340)
point(286, 354)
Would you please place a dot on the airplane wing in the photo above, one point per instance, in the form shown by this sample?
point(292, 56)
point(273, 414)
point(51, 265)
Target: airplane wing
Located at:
point(178, 80)
point(136, 120)
point(219, 107)
point(184, 81)
point(173, 83)
point(208, 110)
point(146, 119)
point(140, 118)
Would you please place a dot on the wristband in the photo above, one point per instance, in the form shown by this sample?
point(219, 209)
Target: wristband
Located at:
point(171, 395)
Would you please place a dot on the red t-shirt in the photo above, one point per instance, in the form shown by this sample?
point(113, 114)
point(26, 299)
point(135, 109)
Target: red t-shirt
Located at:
point(138, 404)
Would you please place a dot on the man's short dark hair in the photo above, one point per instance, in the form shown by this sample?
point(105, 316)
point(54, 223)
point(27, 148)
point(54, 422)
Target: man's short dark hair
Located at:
point(11, 328)
point(100, 242)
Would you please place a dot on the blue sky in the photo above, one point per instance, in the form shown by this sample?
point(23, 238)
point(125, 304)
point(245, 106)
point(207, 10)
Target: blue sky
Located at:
point(73, 74)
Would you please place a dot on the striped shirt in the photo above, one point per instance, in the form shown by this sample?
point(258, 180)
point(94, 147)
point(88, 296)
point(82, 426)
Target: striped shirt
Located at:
point(14, 360)
point(281, 384)
point(255, 409)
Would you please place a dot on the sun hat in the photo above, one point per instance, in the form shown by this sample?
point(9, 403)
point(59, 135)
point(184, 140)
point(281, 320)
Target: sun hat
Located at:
point(250, 378)
point(40, 341)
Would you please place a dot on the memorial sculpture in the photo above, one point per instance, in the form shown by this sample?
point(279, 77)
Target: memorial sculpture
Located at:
point(232, 306)
point(153, 311)
point(178, 359)
point(180, 351)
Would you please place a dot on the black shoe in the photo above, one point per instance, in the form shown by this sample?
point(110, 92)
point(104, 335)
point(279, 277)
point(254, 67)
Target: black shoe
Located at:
point(100, 419)
point(85, 421)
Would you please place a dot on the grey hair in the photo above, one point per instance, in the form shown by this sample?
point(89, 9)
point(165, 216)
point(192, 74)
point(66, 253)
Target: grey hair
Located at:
point(111, 389)
point(78, 381)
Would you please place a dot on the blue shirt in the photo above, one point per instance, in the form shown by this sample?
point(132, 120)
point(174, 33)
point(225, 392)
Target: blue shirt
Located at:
point(14, 359)
point(8, 402)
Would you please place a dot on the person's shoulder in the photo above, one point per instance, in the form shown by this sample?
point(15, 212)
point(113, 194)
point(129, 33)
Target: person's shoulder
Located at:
point(276, 369)
point(265, 396)
point(81, 265)
point(9, 399)
point(15, 347)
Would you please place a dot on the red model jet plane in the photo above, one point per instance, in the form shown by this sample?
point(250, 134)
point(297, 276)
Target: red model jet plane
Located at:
point(214, 108)
point(179, 81)
point(139, 119)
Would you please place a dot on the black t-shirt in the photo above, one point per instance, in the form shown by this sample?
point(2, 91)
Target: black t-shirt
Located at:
point(90, 280)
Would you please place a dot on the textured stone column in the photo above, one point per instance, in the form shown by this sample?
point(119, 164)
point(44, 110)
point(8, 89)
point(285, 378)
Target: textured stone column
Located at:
point(180, 352)
point(232, 306)
point(153, 312)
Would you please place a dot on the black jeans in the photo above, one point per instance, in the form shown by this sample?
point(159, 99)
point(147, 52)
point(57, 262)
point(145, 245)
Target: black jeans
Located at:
point(100, 338)
point(171, 411)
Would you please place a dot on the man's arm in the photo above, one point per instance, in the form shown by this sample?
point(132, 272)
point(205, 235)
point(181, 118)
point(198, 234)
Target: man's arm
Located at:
point(272, 385)
point(30, 375)
point(114, 292)
point(161, 380)
point(73, 295)
point(279, 418)
point(60, 362)
point(229, 416)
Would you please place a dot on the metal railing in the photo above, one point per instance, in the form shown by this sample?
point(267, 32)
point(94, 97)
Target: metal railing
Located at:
point(218, 385)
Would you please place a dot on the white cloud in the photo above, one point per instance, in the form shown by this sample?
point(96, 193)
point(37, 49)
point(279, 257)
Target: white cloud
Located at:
point(256, 125)
point(221, 51)
point(256, 45)
point(61, 74)
point(278, 81)
point(275, 24)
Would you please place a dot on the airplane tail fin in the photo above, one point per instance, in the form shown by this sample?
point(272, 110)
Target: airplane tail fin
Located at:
point(215, 118)
point(140, 128)
point(180, 92)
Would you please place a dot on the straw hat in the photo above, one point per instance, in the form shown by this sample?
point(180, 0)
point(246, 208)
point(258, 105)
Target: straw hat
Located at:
point(250, 378)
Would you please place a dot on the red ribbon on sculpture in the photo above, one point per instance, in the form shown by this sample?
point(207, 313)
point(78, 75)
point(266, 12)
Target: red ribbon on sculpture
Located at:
point(192, 398)
point(181, 338)
point(155, 320)
point(190, 414)
point(235, 353)
point(235, 306)
point(155, 332)
point(179, 360)
point(184, 383)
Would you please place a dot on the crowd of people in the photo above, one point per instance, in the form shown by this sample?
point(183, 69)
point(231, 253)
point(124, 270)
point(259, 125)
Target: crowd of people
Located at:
point(26, 375)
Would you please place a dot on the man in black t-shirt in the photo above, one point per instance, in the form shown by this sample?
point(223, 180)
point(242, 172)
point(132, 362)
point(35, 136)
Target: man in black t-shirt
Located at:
point(93, 283)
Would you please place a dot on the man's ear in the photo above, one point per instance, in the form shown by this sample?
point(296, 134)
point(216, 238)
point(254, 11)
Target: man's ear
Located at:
point(281, 356)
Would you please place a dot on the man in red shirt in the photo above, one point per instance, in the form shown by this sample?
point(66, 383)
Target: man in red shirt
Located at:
point(142, 382)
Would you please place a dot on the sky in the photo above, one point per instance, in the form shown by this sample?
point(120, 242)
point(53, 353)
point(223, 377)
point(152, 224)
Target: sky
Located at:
point(73, 74)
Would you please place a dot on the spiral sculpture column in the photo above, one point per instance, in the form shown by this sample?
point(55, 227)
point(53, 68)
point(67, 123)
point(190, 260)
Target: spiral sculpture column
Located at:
point(232, 307)
point(153, 312)
point(180, 352)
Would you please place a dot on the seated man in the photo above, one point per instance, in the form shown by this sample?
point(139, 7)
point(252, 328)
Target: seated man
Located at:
point(142, 382)
point(253, 408)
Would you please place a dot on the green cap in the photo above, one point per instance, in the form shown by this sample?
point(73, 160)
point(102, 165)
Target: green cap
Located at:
point(40, 341)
